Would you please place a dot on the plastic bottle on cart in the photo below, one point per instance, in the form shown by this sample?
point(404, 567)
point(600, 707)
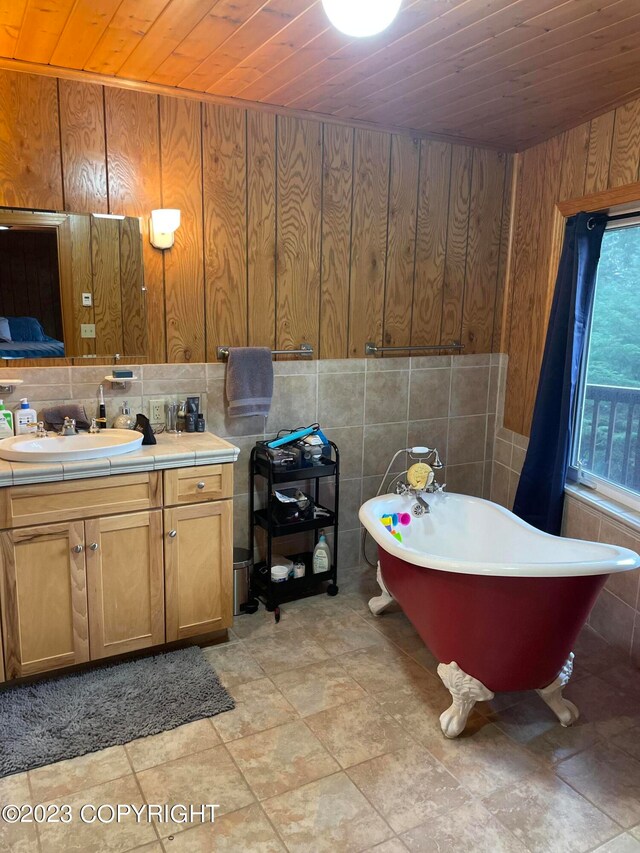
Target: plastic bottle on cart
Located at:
point(321, 555)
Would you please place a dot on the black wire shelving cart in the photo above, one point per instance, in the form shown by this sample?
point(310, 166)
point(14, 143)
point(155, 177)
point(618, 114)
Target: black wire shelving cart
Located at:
point(273, 593)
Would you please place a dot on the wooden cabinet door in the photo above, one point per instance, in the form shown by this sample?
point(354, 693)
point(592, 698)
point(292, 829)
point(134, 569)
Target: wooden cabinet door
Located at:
point(125, 580)
point(198, 569)
point(43, 598)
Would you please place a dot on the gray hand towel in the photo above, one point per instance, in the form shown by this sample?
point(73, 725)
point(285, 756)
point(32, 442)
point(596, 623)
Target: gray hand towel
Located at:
point(54, 416)
point(249, 381)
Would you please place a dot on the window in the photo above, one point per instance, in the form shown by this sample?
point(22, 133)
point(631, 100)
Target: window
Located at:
point(606, 452)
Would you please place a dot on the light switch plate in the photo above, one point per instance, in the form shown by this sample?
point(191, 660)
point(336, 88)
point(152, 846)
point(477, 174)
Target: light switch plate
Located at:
point(87, 300)
point(87, 330)
point(156, 411)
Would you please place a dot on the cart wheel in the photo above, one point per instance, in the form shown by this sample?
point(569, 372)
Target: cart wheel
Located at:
point(250, 606)
point(332, 589)
point(276, 613)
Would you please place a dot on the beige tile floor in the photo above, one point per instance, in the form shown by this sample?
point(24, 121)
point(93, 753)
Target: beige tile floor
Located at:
point(335, 746)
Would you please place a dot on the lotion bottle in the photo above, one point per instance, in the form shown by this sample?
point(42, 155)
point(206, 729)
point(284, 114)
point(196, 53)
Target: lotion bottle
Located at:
point(321, 555)
point(25, 417)
point(6, 421)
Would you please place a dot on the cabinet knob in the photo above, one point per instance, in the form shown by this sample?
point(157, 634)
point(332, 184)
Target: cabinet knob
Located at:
point(94, 546)
point(201, 484)
point(78, 549)
point(173, 534)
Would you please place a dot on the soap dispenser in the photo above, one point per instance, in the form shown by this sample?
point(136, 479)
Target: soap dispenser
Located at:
point(125, 420)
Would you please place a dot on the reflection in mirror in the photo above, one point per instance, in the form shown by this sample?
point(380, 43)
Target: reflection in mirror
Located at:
point(71, 287)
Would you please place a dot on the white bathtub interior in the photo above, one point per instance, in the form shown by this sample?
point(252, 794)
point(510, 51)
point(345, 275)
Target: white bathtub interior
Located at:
point(468, 534)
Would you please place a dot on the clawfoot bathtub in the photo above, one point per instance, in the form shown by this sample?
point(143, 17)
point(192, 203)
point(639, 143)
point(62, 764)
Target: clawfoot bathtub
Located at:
point(498, 602)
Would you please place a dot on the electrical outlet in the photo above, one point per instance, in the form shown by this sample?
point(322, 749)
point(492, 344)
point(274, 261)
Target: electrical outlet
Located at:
point(87, 330)
point(156, 411)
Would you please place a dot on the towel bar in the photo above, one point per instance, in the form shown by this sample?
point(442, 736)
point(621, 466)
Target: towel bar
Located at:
point(305, 349)
point(372, 349)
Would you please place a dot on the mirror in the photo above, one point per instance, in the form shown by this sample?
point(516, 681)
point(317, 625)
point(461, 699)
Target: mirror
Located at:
point(71, 287)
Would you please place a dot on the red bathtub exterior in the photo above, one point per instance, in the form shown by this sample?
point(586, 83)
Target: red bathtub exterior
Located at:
point(511, 633)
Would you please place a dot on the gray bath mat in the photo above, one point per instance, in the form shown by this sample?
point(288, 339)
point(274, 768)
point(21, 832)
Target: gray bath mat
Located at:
point(86, 711)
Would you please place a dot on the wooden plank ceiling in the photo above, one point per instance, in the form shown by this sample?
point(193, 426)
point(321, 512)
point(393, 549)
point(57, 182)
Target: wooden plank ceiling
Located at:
point(504, 73)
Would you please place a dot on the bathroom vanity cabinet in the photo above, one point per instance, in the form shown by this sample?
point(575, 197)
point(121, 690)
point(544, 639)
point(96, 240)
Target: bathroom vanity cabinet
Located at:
point(97, 567)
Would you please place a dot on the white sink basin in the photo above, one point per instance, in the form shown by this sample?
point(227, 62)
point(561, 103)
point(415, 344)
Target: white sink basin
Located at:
point(66, 448)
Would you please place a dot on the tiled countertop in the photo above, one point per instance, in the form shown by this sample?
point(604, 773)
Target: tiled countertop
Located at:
point(171, 451)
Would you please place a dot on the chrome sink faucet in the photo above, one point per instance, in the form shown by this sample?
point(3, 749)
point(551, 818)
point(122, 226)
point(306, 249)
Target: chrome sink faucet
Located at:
point(68, 427)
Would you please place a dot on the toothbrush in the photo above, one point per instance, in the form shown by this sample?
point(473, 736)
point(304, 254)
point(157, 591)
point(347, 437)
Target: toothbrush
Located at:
point(102, 410)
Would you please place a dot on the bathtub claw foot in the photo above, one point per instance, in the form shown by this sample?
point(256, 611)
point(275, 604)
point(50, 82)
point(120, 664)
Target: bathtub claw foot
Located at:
point(379, 603)
point(465, 692)
point(564, 710)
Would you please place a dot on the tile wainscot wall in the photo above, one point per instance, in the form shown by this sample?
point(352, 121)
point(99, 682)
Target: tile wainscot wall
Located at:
point(616, 613)
point(369, 407)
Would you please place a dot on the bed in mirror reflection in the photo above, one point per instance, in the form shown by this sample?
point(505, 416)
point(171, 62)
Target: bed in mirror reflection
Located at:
point(71, 288)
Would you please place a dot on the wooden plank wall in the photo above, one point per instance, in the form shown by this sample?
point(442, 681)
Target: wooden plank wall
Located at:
point(292, 229)
point(596, 156)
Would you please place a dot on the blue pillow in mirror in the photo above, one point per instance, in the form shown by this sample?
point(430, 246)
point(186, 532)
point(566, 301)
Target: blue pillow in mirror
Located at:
point(26, 329)
point(5, 331)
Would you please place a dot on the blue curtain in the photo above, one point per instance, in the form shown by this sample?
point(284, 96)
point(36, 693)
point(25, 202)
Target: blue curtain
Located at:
point(540, 496)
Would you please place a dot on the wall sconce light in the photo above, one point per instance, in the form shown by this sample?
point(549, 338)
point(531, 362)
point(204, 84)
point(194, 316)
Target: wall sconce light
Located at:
point(164, 223)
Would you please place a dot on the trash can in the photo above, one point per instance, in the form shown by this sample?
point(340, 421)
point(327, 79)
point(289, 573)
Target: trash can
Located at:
point(242, 563)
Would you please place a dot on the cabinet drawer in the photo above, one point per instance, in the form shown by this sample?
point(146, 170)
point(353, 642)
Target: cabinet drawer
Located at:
point(198, 483)
point(44, 503)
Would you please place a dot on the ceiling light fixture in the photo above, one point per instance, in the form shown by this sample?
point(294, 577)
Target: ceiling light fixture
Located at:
point(361, 18)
